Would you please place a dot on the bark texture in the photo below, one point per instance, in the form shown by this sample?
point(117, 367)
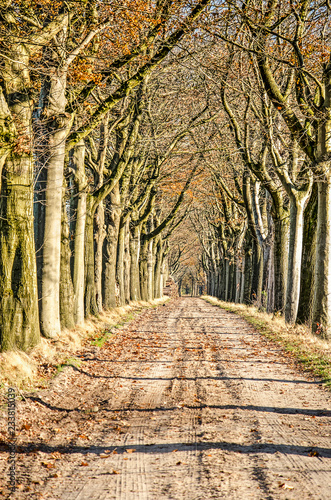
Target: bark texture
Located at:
point(19, 317)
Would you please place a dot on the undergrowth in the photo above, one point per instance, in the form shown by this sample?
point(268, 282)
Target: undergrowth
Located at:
point(312, 352)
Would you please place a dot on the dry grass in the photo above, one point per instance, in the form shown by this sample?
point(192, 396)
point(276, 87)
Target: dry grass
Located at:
point(311, 351)
point(32, 371)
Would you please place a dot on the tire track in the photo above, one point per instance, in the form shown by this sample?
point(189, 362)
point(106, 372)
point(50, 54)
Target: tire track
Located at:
point(195, 405)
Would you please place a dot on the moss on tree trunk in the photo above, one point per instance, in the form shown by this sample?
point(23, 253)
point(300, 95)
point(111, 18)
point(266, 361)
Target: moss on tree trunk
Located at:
point(66, 285)
point(113, 211)
point(90, 298)
point(19, 318)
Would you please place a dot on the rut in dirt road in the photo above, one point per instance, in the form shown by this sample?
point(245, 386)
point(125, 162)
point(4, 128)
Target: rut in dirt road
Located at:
point(187, 402)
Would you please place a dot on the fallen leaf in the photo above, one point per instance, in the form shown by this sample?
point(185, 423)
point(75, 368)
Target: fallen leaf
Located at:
point(286, 486)
point(131, 450)
point(115, 472)
point(84, 464)
point(48, 465)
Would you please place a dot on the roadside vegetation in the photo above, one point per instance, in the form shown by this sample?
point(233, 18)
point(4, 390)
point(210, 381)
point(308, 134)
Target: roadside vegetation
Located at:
point(312, 352)
point(34, 370)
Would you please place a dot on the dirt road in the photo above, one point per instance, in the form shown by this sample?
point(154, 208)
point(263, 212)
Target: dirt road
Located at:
point(187, 402)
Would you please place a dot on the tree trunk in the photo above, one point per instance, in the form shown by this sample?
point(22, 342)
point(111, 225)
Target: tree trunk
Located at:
point(238, 281)
point(232, 282)
point(150, 271)
point(127, 263)
point(134, 268)
point(294, 259)
point(55, 124)
point(90, 299)
point(158, 269)
point(221, 290)
point(164, 272)
point(227, 280)
point(39, 224)
point(280, 260)
point(322, 297)
point(66, 285)
point(78, 230)
point(99, 238)
point(50, 280)
point(257, 278)
point(113, 214)
point(100, 228)
point(248, 272)
point(271, 282)
point(120, 263)
point(19, 318)
point(143, 272)
point(308, 260)
point(242, 281)
point(266, 266)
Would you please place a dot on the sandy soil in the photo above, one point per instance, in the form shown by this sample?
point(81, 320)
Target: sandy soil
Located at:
point(186, 402)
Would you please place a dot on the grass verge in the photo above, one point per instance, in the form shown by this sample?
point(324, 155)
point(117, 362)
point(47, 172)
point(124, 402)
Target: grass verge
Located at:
point(72, 361)
point(312, 352)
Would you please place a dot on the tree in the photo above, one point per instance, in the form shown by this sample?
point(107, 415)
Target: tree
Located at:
point(18, 280)
point(280, 37)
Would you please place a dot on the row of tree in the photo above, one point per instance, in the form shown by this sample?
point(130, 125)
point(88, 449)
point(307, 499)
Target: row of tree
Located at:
point(90, 183)
point(267, 238)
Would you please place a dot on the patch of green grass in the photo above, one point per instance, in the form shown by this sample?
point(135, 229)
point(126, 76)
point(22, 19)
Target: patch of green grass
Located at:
point(310, 355)
point(102, 338)
point(69, 362)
